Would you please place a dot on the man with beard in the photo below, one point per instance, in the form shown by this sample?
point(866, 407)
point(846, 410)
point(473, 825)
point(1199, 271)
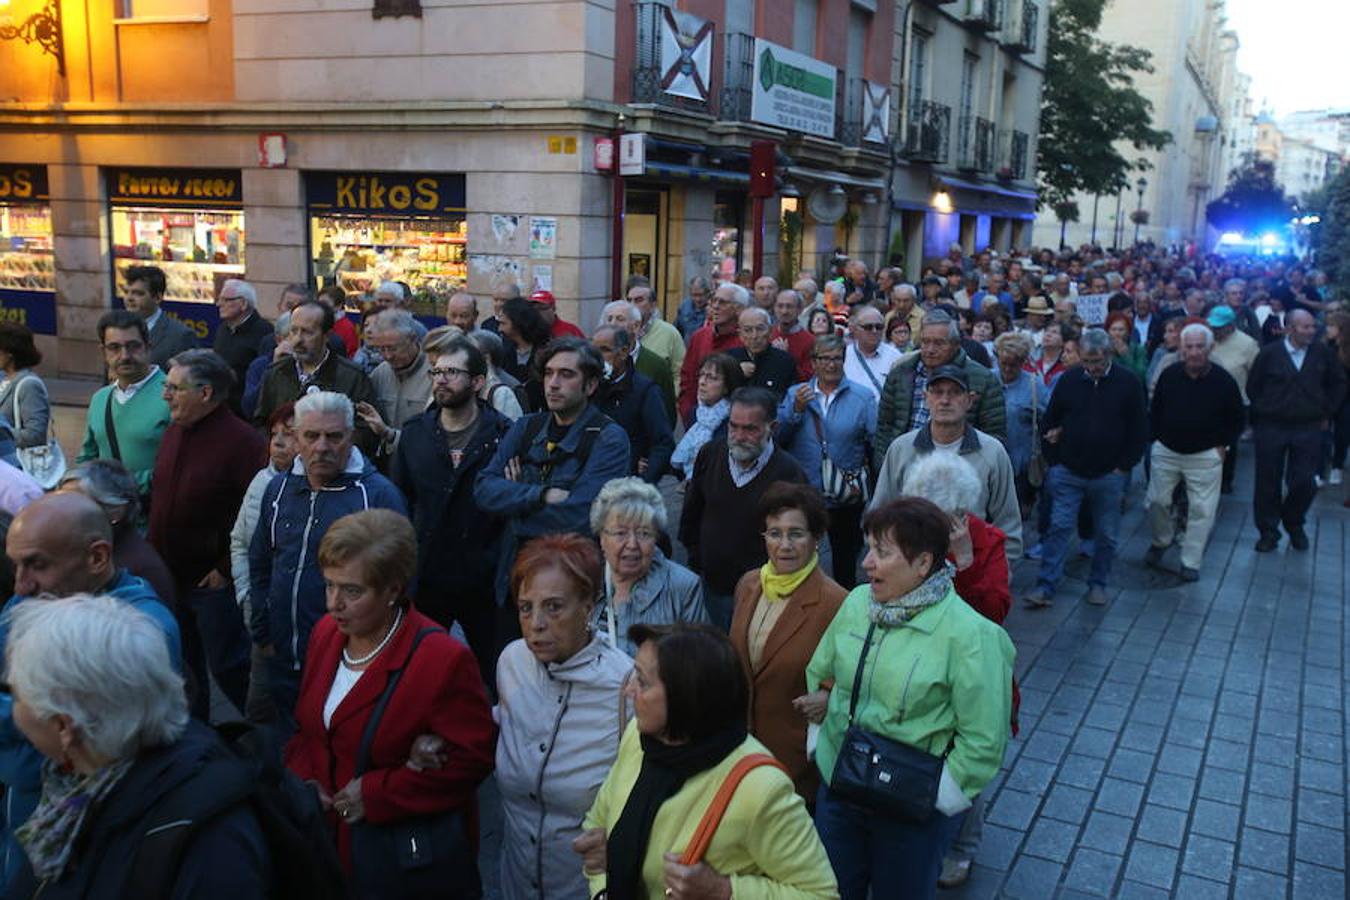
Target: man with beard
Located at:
point(720, 525)
point(439, 456)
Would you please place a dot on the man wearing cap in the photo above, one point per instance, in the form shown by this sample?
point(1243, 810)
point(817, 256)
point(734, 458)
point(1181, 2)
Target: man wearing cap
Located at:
point(547, 305)
point(1234, 351)
point(949, 400)
point(1196, 413)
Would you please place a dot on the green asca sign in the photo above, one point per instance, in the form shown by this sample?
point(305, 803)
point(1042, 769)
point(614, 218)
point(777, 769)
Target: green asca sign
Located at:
point(775, 72)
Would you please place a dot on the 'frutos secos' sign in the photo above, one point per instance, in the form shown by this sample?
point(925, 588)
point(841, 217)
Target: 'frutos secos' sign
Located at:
point(208, 188)
point(384, 193)
point(22, 183)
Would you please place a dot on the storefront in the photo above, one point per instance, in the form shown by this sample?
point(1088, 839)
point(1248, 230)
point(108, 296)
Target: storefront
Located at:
point(188, 222)
point(368, 227)
point(27, 265)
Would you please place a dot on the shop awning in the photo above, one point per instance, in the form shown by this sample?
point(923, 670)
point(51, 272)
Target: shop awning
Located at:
point(983, 188)
point(697, 173)
point(828, 176)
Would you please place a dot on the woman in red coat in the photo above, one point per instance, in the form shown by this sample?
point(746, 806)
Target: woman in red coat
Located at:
point(373, 649)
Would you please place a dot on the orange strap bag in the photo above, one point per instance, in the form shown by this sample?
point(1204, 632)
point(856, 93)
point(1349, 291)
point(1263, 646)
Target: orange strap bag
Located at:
point(707, 826)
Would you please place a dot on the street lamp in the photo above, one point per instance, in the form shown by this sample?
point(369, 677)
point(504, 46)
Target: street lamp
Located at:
point(42, 28)
point(1139, 209)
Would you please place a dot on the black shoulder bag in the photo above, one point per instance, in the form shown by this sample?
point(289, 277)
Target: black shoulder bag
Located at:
point(881, 774)
point(425, 856)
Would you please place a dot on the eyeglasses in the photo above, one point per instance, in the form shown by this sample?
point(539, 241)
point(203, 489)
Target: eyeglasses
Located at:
point(869, 326)
point(792, 535)
point(449, 373)
point(833, 360)
point(624, 535)
point(129, 346)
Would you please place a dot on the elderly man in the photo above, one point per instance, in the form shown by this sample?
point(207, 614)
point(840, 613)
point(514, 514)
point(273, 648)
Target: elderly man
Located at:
point(766, 289)
point(241, 332)
point(858, 287)
point(1095, 429)
point(552, 464)
point(312, 367)
point(1295, 386)
point(948, 397)
point(1196, 413)
point(722, 333)
point(720, 524)
point(145, 293)
point(763, 364)
point(902, 405)
point(626, 315)
point(693, 312)
point(508, 290)
point(635, 404)
point(655, 334)
point(806, 289)
point(397, 295)
point(1244, 317)
point(904, 302)
point(402, 383)
point(461, 311)
point(205, 464)
point(59, 546)
point(1235, 352)
point(869, 359)
point(789, 334)
point(329, 479)
point(126, 419)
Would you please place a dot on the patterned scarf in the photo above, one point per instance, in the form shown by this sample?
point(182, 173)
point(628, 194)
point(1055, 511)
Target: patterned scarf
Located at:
point(897, 612)
point(49, 835)
point(706, 420)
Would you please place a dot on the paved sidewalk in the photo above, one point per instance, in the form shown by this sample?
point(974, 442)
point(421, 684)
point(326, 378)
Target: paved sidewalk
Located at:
point(1184, 741)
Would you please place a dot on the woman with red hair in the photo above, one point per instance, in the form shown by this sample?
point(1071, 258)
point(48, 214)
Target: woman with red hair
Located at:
point(1128, 352)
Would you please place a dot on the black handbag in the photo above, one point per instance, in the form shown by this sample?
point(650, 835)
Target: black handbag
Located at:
point(881, 774)
point(421, 857)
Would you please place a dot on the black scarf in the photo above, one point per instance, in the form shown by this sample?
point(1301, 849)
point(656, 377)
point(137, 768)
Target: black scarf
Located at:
point(665, 768)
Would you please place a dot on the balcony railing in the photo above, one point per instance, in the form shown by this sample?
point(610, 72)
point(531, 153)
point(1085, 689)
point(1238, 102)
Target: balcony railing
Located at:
point(1021, 35)
point(848, 111)
point(975, 144)
point(657, 66)
point(739, 77)
point(927, 133)
point(1013, 155)
point(984, 15)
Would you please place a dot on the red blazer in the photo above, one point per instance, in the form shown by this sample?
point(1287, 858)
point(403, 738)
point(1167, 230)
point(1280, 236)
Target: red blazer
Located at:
point(985, 585)
point(799, 345)
point(440, 693)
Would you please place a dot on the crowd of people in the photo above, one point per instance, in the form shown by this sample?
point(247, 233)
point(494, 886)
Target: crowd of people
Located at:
point(416, 558)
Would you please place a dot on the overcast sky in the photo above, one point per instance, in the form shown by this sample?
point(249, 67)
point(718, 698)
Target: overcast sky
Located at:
point(1294, 50)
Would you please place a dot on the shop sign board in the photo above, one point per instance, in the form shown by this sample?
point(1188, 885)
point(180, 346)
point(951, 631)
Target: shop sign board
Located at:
point(35, 309)
point(632, 153)
point(793, 91)
point(385, 193)
point(200, 188)
point(23, 184)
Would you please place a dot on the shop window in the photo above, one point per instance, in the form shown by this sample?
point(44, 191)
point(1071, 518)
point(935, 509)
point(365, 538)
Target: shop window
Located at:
point(27, 267)
point(728, 216)
point(392, 9)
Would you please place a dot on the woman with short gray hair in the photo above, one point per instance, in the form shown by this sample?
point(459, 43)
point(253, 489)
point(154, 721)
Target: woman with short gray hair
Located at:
point(642, 586)
point(118, 741)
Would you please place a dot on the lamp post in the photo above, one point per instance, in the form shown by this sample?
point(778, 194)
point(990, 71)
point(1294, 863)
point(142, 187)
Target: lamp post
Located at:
point(1117, 226)
point(1139, 186)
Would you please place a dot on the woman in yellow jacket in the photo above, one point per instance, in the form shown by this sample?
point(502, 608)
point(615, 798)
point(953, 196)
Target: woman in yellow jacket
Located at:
point(690, 698)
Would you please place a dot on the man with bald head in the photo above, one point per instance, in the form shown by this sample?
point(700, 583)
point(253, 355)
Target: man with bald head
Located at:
point(1294, 388)
point(461, 311)
point(59, 546)
point(766, 289)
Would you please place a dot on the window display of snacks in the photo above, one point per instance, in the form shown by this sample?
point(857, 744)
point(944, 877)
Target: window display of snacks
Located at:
point(196, 248)
point(26, 262)
point(359, 252)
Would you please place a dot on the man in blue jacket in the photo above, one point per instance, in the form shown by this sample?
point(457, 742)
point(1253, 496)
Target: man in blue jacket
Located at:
point(551, 465)
point(329, 479)
point(59, 545)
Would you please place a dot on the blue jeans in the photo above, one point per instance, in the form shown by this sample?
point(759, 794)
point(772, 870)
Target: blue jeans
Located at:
point(873, 855)
point(1068, 492)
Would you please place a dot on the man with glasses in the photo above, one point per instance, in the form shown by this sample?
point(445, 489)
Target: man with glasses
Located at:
point(402, 382)
point(127, 418)
point(763, 364)
point(240, 334)
point(312, 367)
point(437, 461)
point(870, 359)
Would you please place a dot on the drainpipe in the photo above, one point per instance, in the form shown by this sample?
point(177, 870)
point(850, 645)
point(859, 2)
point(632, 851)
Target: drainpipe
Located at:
point(616, 225)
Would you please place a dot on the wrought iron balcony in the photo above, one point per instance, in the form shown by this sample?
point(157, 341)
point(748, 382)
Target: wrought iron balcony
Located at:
point(1013, 147)
point(848, 111)
point(1022, 34)
point(927, 136)
point(739, 78)
point(984, 15)
point(670, 67)
point(975, 144)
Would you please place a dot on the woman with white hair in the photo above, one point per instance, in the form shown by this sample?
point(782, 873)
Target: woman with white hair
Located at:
point(642, 586)
point(118, 742)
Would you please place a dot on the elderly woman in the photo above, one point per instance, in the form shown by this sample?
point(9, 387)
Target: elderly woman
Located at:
point(1051, 362)
point(1166, 352)
point(690, 695)
point(782, 609)
point(830, 419)
point(118, 741)
point(641, 585)
point(108, 483)
point(1130, 354)
point(899, 335)
point(378, 675)
point(929, 673)
point(560, 715)
point(718, 377)
point(820, 322)
point(1025, 398)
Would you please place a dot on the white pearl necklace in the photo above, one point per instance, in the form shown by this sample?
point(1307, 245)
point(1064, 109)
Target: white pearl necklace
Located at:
point(361, 661)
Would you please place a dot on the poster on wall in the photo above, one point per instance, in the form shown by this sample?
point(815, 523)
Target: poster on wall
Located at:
point(793, 91)
point(541, 278)
point(543, 237)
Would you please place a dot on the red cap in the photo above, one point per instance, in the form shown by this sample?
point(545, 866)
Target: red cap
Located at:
point(544, 297)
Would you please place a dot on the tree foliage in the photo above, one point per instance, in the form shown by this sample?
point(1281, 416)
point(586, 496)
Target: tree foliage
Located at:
point(1253, 200)
point(1333, 237)
point(1089, 106)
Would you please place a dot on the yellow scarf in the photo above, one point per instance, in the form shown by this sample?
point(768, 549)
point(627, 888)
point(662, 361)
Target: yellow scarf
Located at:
point(776, 587)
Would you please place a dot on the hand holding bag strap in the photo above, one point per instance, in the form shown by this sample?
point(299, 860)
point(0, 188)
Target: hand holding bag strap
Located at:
point(712, 817)
point(373, 723)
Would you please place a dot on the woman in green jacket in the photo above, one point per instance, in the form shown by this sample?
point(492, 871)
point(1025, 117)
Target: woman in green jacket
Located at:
point(937, 675)
point(690, 697)
point(1128, 353)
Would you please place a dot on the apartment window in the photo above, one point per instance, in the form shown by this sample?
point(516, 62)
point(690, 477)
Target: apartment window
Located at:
point(969, 64)
point(162, 9)
point(740, 16)
point(804, 26)
point(918, 69)
point(859, 20)
point(392, 9)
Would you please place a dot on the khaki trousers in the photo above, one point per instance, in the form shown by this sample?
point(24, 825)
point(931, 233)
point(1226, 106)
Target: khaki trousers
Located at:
point(1201, 472)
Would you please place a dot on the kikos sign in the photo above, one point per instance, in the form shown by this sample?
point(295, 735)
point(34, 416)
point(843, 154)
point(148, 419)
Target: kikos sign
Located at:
point(387, 193)
point(207, 188)
point(22, 183)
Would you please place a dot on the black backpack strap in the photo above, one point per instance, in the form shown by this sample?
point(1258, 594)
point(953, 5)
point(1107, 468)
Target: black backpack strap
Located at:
point(218, 787)
point(373, 723)
point(110, 427)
